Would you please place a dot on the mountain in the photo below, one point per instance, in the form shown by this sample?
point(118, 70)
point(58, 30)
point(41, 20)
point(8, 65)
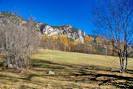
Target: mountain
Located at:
point(43, 28)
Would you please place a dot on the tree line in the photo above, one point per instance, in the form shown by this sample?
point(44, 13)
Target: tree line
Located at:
point(92, 45)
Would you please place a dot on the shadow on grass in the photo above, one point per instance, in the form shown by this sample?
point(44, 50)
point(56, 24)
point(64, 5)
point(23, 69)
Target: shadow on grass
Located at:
point(30, 76)
point(53, 65)
point(82, 70)
point(78, 73)
point(130, 71)
point(128, 81)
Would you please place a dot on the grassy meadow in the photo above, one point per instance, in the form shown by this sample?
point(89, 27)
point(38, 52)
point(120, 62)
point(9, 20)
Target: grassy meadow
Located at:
point(71, 71)
point(80, 58)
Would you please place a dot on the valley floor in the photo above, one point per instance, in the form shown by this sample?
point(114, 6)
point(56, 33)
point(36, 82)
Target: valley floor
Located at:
point(69, 71)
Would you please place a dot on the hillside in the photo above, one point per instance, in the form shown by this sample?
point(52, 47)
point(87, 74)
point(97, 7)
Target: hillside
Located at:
point(67, 30)
point(67, 70)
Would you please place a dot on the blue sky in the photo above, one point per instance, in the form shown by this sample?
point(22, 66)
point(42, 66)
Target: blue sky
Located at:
point(54, 12)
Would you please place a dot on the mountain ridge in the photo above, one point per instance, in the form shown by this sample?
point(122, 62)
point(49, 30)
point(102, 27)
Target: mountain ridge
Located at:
point(67, 30)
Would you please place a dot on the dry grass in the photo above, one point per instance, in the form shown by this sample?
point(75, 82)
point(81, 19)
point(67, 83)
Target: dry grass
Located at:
point(80, 58)
point(72, 71)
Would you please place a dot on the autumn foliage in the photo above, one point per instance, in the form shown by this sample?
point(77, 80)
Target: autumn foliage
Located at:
point(94, 45)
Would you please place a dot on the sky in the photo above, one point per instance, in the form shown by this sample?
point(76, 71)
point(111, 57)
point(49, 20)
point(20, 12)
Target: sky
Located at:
point(54, 12)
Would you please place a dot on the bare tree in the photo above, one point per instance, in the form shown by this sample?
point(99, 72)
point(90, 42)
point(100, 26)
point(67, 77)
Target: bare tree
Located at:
point(114, 21)
point(18, 43)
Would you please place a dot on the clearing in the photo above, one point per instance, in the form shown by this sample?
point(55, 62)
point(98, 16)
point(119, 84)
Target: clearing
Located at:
point(69, 71)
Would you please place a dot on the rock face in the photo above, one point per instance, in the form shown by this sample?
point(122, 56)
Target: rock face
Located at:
point(67, 30)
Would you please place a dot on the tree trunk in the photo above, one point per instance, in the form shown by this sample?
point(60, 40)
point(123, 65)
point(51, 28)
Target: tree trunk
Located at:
point(18, 63)
point(123, 61)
